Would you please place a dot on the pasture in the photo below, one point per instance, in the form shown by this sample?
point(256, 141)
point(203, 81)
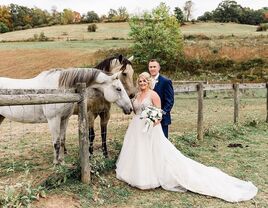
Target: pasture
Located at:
point(27, 59)
point(26, 153)
point(26, 156)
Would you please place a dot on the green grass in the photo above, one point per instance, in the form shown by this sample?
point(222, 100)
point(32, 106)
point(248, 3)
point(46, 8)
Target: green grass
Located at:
point(225, 29)
point(88, 45)
point(34, 156)
point(121, 30)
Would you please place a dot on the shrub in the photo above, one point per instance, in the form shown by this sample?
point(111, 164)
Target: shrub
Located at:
point(28, 26)
point(42, 37)
point(262, 27)
point(3, 28)
point(92, 28)
point(156, 35)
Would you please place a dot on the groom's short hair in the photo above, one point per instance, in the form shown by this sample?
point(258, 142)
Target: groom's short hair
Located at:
point(153, 60)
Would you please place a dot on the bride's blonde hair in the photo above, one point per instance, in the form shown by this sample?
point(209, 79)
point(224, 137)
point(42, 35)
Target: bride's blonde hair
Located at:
point(147, 77)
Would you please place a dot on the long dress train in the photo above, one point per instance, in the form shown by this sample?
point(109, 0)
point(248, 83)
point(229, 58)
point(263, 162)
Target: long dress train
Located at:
point(148, 160)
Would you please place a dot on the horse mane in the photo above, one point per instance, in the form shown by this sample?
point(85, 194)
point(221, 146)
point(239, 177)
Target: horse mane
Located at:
point(70, 77)
point(105, 65)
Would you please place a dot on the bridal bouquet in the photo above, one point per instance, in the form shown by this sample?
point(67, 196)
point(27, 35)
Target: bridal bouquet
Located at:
point(150, 114)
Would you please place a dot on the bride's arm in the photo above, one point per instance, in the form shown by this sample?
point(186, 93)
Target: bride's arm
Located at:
point(157, 103)
point(156, 99)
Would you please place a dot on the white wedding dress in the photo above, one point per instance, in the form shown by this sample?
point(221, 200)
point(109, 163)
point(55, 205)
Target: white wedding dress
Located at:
point(148, 160)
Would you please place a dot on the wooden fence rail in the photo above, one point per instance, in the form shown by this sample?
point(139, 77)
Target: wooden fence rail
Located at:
point(200, 88)
point(11, 97)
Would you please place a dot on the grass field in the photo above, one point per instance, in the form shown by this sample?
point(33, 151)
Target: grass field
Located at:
point(121, 30)
point(27, 59)
point(26, 156)
point(26, 150)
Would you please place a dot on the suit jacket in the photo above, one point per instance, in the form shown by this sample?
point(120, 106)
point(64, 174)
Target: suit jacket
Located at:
point(164, 89)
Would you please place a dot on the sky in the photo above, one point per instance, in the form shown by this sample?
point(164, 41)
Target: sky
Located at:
point(133, 6)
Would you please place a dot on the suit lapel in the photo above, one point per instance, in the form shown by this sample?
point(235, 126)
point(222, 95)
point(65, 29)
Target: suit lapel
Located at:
point(157, 85)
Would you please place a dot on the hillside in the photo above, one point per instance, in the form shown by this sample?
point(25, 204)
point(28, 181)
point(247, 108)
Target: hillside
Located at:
point(73, 46)
point(121, 30)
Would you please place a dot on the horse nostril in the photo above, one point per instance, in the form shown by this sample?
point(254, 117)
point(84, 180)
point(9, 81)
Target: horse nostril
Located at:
point(132, 95)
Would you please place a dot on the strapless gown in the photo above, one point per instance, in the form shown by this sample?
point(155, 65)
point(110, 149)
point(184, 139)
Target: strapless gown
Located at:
point(148, 160)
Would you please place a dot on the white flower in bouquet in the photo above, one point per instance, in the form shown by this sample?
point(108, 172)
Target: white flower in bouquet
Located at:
point(151, 114)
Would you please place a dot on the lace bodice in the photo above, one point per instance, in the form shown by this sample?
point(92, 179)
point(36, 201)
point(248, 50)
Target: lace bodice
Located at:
point(139, 106)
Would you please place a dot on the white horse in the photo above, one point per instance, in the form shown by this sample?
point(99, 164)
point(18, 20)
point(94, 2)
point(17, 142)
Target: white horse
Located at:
point(57, 115)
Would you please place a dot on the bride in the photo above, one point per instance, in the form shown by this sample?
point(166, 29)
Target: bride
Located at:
point(148, 160)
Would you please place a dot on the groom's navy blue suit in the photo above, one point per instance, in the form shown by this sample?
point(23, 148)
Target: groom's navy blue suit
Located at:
point(164, 89)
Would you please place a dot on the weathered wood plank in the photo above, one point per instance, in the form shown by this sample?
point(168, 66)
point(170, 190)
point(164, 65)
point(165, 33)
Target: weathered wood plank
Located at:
point(35, 91)
point(185, 88)
point(32, 99)
point(83, 134)
point(200, 115)
point(253, 86)
point(236, 102)
point(267, 102)
point(212, 87)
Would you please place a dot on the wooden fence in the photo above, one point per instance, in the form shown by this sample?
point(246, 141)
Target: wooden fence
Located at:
point(10, 97)
point(200, 88)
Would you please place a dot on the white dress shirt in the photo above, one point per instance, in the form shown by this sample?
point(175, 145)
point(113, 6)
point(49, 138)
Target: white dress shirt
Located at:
point(155, 80)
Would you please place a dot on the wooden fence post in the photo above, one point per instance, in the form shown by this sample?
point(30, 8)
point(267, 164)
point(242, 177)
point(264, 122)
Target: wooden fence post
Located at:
point(83, 134)
point(267, 102)
point(200, 90)
point(236, 102)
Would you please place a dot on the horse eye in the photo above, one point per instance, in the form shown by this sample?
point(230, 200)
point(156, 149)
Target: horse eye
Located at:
point(118, 89)
point(124, 74)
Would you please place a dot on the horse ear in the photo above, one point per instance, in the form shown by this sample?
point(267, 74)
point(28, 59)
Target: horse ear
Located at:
point(120, 58)
point(131, 58)
point(116, 75)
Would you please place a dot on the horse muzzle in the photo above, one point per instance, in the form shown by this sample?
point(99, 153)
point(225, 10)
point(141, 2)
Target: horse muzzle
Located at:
point(127, 110)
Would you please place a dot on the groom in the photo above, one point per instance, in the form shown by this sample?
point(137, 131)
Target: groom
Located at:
point(163, 87)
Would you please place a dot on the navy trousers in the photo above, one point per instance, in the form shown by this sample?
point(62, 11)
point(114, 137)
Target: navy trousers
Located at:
point(165, 130)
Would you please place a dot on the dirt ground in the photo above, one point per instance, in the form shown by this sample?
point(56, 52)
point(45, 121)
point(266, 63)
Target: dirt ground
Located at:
point(29, 63)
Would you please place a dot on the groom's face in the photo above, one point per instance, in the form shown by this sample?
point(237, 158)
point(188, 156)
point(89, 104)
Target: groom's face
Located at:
point(153, 68)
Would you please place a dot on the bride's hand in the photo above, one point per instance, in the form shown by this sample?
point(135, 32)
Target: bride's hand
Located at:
point(157, 122)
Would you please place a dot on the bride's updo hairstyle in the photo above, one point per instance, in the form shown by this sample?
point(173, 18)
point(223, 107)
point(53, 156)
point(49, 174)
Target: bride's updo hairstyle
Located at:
point(146, 76)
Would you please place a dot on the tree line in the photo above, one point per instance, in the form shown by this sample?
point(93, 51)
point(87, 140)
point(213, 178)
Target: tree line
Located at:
point(17, 17)
point(230, 11)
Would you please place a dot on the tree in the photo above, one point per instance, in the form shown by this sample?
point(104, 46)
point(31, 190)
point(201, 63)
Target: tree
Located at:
point(3, 28)
point(123, 14)
point(112, 13)
point(91, 17)
point(56, 16)
point(188, 8)
point(156, 35)
point(206, 16)
point(179, 14)
point(227, 11)
point(5, 16)
point(20, 16)
point(67, 17)
point(40, 17)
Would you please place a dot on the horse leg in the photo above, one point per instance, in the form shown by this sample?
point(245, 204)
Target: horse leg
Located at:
point(63, 127)
point(1, 119)
point(105, 116)
point(91, 118)
point(54, 126)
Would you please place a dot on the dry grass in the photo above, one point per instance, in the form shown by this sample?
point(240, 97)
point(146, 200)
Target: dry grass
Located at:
point(28, 147)
point(72, 32)
point(28, 63)
point(232, 53)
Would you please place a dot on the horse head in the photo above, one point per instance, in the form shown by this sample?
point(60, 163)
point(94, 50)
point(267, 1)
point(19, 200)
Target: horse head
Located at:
point(114, 92)
point(121, 64)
